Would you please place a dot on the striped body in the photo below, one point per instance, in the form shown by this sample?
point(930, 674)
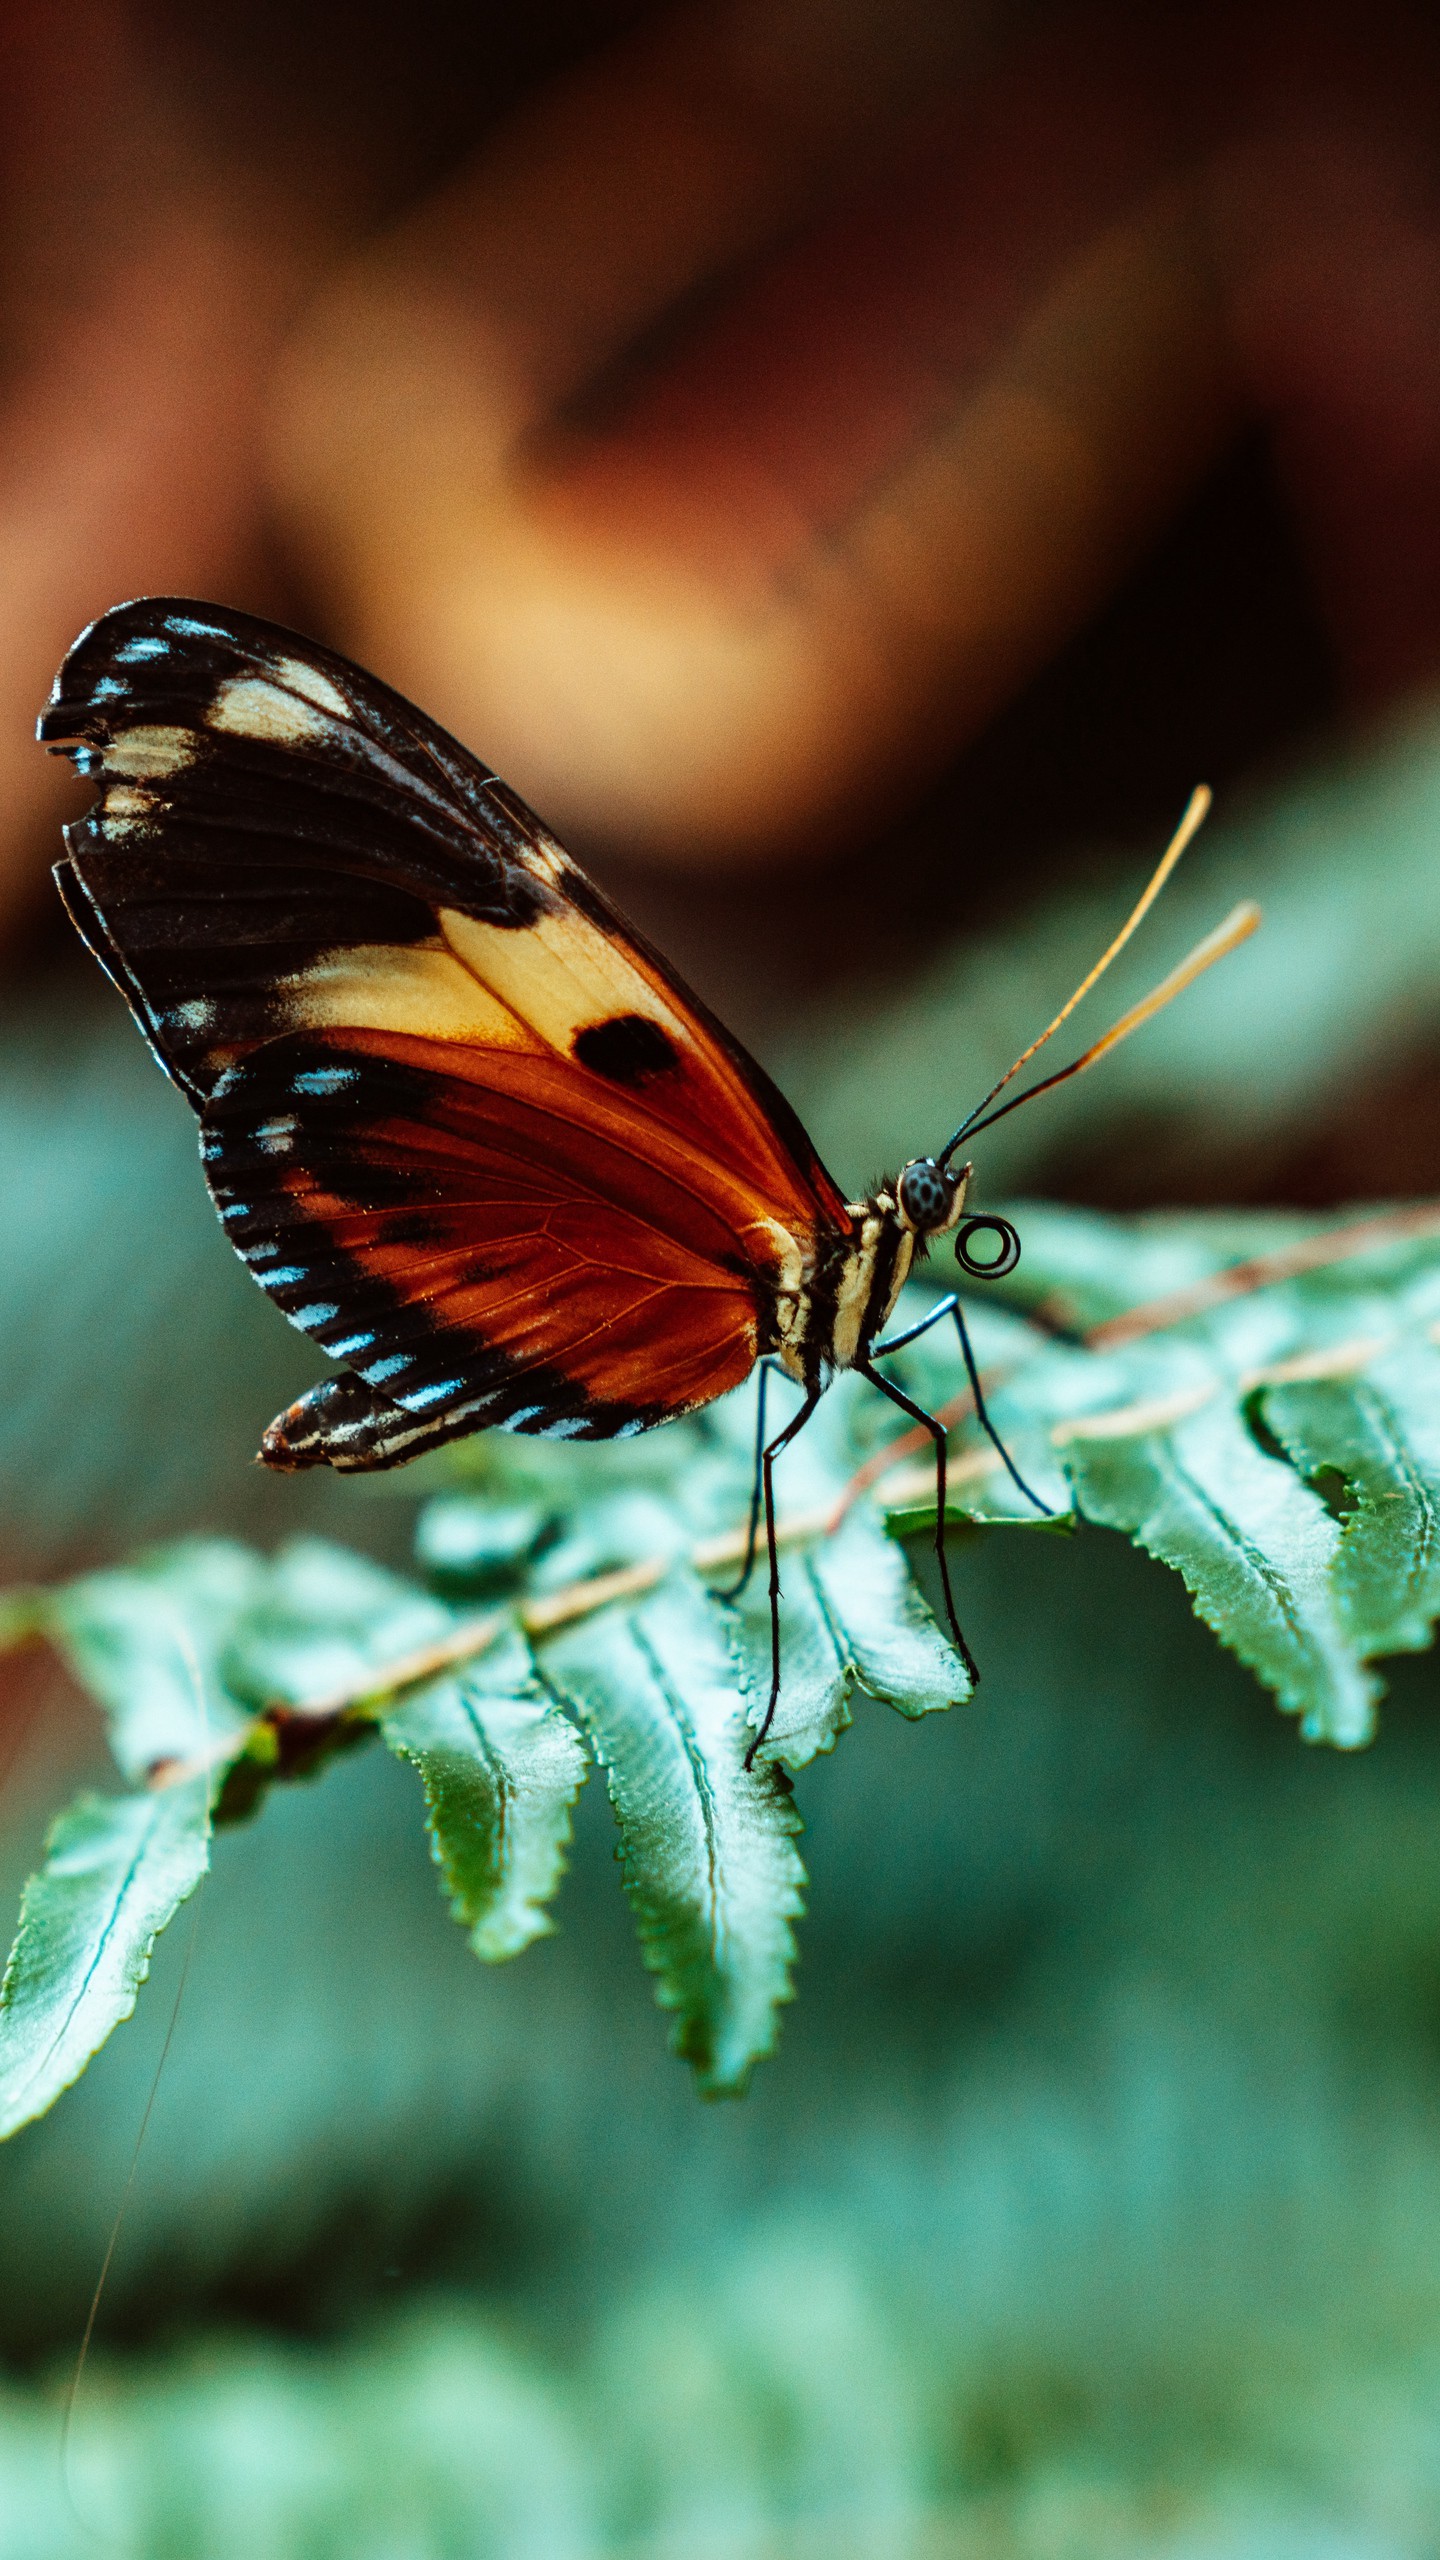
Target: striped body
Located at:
point(831, 1304)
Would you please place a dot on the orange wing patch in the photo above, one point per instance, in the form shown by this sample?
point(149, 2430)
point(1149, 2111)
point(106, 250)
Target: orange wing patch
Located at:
point(578, 987)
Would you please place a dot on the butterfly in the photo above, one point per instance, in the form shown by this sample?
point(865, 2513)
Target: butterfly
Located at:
point(461, 1122)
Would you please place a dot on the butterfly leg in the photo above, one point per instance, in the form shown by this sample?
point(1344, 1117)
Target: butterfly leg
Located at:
point(899, 1341)
point(936, 1430)
point(752, 1534)
point(795, 1425)
point(986, 1425)
point(951, 1307)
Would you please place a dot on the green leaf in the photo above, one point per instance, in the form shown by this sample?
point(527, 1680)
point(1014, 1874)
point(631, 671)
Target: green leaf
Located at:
point(707, 1846)
point(851, 1613)
point(884, 1622)
point(501, 1768)
point(321, 1623)
point(1255, 1547)
point(116, 1870)
point(1272, 1433)
point(917, 1519)
point(818, 1675)
point(186, 1648)
point(1230, 1430)
point(1380, 1435)
point(470, 1548)
point(148, 1641)
point(320, 1619)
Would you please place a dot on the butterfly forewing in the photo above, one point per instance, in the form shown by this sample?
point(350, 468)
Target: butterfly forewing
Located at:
point(466, 1128)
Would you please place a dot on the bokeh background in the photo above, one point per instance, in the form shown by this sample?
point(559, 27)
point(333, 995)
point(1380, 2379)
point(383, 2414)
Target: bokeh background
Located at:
point(855, 465)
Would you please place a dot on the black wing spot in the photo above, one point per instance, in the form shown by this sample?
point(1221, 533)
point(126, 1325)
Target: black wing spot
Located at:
point(629, 1049)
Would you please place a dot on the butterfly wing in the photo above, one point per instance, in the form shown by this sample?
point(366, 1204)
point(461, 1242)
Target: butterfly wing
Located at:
point(467, 1129)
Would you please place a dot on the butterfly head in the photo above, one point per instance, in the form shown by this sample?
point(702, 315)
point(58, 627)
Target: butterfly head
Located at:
point(929, 1197)
point(930, 1201)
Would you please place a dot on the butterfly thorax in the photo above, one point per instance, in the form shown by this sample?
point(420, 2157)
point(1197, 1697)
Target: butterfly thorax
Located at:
point(833, 1301)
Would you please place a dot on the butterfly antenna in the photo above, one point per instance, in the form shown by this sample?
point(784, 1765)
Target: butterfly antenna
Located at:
point(1197, 810)
point(1237, 928)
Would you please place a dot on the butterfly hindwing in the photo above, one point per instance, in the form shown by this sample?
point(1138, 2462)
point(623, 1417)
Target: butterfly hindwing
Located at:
point(476, 1253)
point(521, 1175)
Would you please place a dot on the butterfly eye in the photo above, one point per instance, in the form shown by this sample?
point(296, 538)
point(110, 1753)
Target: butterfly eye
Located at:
point(925, 1194)
point(988, 1265)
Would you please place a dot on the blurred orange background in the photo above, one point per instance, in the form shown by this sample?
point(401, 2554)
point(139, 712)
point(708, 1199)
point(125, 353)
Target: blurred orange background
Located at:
point(718, 415)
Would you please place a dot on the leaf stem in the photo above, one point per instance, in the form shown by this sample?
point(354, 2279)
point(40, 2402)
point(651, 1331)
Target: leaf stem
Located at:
point(473, 1636)
point(1263, 1270)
